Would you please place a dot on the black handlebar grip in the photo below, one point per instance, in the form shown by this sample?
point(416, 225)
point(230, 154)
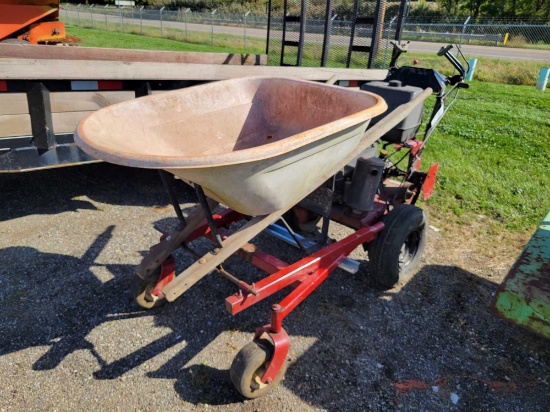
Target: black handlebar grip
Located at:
point(443, 51)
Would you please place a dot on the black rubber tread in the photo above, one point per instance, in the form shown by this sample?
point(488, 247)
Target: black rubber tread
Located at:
point(403, 221)
point(15, 41)
point(141, 291)
point(251, 361)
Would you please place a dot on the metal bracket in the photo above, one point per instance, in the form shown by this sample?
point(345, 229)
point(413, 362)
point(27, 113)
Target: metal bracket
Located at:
point(38, 98)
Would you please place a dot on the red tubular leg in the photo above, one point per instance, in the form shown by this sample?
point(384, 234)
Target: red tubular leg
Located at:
point(167, 273)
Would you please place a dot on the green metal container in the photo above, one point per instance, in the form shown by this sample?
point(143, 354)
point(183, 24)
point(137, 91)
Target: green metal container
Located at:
point(524, 296)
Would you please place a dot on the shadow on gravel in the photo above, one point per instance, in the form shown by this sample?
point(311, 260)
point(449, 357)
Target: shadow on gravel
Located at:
point(55, 300)
point(436, 328)
point(68, 189)
point(367, 341)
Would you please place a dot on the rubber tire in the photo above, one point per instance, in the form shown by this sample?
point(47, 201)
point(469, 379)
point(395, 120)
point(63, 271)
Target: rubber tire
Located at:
point(404, 224)
point(249, 364)
point(302, 228)
point(141, 291)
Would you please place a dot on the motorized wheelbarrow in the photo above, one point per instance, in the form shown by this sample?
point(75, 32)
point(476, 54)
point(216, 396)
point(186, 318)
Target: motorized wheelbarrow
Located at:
point(267, 149)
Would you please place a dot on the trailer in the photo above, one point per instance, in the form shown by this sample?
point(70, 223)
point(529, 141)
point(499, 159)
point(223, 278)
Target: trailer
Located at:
point(45, 91)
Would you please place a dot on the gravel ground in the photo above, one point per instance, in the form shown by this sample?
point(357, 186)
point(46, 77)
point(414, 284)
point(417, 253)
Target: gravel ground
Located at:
point(72, 338)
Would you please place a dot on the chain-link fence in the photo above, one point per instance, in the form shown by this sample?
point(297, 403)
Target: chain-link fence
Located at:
point(508, 34)
point(329, 39)
point(182, 24)
point(325, 40)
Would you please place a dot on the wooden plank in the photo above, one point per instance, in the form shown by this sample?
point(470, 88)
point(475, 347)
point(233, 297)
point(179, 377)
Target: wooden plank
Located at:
point(15, 125)
point(32, 69)
point(16, 103)
point(13, 103)
point(20, 124)
point(86, 101)
point(127, 55)
point(209, 262)
point(524, 296)
point(67, 122)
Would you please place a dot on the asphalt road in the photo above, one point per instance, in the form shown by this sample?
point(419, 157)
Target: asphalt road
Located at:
point(505, 53)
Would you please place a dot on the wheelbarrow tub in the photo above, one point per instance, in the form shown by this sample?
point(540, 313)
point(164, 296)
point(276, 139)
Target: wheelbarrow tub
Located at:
point(255, 144)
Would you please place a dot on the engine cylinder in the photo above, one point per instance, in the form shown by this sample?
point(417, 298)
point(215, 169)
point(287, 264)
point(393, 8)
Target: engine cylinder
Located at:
point(360, 192)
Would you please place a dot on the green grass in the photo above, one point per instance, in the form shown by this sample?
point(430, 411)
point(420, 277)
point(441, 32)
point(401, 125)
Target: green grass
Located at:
point(487, 70)
point(493, 145)
point(494, 153)
point(173, 41)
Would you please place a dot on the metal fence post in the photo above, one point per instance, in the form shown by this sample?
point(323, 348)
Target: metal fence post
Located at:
point(141, 19)
point(328, 34)
point(463, 30)
point(92, 14)
point(161, 21)
point(78, 13)
point(106, 22)
point(247, 13)
point(121, 19)
point(212, 21)
point(67, 14)
point(472, 64)
point(543, 78)
point(388, 38)
point(185, 14)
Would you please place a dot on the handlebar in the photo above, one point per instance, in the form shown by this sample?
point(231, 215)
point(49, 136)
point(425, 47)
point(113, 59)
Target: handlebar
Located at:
point(445, 51)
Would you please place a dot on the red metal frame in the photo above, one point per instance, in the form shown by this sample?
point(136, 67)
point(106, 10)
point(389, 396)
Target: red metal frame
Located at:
point(281, 347)
point(304, 276)
point(308, 273)
point(429, 182)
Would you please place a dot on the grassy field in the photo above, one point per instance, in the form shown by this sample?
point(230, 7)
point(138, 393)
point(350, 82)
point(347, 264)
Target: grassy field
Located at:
point(173, 40)
point(493, 146)
point(494, 153)
point(487, 70)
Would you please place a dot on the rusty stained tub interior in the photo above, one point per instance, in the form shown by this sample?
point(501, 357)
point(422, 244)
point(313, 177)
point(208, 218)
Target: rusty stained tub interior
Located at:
point(256, 125)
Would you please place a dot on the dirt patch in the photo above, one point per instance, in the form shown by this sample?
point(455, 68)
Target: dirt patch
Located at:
point(478, 244)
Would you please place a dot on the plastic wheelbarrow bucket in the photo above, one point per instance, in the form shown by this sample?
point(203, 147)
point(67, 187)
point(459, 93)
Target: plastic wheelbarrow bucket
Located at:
point(256, 144)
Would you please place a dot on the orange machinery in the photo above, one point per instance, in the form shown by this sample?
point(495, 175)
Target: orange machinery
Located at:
point(34, 21)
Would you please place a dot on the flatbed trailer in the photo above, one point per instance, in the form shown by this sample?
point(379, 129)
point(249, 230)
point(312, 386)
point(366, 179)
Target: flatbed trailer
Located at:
point(46, 91)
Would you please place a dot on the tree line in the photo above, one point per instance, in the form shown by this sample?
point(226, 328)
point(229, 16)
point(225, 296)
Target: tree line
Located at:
point(433, 10)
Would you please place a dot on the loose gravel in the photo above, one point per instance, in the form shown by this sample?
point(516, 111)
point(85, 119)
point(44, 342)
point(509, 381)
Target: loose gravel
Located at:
point(71, 337)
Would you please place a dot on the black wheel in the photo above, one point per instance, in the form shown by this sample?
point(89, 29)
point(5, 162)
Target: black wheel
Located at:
point(248, 367)
point(395, 254)
point(301, 220)
point(142, 291)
